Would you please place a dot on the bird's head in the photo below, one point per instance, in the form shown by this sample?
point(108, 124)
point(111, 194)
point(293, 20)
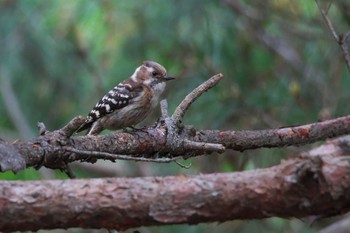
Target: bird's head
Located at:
point(151, 73)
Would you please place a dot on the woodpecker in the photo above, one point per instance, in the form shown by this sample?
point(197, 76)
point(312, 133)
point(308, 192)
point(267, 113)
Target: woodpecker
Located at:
point(128, 103)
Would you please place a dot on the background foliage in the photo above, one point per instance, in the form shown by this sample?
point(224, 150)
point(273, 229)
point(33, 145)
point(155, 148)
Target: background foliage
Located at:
point(281, 67)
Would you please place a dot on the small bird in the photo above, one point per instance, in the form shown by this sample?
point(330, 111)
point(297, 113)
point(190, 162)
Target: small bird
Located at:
point(129, 102)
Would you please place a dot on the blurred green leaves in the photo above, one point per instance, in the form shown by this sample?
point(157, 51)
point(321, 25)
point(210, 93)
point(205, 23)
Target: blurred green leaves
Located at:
point(281, 66)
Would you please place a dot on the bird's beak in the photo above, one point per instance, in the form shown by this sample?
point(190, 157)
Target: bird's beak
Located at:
point(167, 78)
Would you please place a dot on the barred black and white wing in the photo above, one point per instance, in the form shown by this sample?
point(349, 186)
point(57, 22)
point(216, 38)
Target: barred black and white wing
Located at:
point(117, 98)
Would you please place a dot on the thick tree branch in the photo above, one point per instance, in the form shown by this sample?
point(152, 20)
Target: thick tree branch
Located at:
point(286, 136)
point(310, 185)
point(164, 143)
point(54, 150)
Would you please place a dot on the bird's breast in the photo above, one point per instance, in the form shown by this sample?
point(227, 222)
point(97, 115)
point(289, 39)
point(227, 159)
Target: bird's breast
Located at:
point(158, 89)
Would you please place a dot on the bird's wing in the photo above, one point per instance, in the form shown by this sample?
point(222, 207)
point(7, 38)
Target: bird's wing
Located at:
point(117, 98)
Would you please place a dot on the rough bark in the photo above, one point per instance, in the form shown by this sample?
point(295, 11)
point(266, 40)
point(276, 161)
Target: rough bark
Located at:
point(310, 185)
point(55, 149)
point(314, 184)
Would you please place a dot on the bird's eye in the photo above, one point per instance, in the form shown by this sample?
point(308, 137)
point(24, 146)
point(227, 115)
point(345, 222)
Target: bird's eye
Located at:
point(154, 73)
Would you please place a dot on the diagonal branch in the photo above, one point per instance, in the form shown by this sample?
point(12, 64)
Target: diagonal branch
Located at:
point(190, 98)
point(341, 39)
point(327, 21)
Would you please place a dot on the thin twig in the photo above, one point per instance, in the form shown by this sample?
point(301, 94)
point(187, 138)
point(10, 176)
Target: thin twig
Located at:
point(72, 126)
point(344, 46)
point(327, 21)
point(69, 172)
point(183, 165)
point(164, 108)
point(329, 6)
point(113, 157)
point(42, 128)
point(341, 39)
point(190, 98)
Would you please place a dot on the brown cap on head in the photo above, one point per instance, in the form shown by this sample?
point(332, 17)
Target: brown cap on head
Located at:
point(158, 68)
